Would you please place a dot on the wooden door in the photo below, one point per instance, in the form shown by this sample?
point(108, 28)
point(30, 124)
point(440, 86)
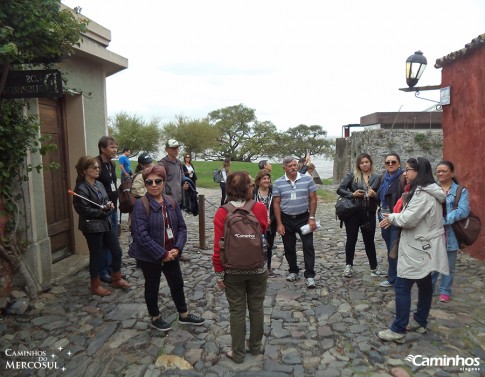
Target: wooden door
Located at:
point(58, 204)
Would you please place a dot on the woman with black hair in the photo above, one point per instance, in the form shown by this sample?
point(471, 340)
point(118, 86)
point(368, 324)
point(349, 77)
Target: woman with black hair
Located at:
point(445, 172)
point(422, 248)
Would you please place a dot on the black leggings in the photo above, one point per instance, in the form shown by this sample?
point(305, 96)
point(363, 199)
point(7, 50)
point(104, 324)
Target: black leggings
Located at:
point(366, 222)
point(97, 244)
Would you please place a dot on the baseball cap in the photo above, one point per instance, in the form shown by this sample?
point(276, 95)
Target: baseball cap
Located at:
point(262, 164)
point(145, 159)
point(172, 143)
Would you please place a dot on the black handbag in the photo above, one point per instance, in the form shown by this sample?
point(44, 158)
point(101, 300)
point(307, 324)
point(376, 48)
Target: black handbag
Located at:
point(468, 229)
point(345, 208)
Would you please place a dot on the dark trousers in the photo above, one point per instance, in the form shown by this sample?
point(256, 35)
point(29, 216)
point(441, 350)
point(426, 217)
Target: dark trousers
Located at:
point(390, 235)
point(223, 193)
point(292, 227)
point(106, 260)
point(270, 236)
point(152, 273)
point(97, 244)
point(403, 287)
point(367, 225)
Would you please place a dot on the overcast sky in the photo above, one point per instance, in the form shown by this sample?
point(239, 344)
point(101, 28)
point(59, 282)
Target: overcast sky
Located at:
point(294, 62)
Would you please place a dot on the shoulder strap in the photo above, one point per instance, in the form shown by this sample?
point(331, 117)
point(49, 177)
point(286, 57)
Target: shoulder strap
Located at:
point(249, 205)
point(170, 200)
point(458, 196)
point(146, 204)
point(229, 207)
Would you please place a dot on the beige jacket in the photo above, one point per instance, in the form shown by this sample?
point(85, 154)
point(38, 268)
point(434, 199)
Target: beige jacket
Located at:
point(422, 247)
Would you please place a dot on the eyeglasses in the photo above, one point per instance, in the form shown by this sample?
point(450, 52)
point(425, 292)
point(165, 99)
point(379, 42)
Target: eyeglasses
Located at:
point(406, 170)
point(95, 167)
point(149, 182)
point(391, 162)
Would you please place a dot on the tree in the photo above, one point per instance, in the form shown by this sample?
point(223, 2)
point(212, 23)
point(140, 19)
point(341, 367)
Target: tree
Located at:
point(236, 125)
point(302, 140)
point(135, 133)
point(31, 32)
point(196, 135)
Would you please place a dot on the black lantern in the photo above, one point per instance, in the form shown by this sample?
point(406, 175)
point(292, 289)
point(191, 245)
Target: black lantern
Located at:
point(415, 66)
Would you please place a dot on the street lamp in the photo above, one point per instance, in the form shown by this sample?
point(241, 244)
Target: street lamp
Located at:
point(415, 66)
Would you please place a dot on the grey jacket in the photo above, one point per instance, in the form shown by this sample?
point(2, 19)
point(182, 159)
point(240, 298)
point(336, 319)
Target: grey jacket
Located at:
point(422, 247)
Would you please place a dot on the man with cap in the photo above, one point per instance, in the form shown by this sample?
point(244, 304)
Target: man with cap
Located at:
point(175, 171)
point(264, 164)
point(138, 188)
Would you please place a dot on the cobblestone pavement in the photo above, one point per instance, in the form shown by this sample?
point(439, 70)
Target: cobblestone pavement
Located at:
point(328, 331)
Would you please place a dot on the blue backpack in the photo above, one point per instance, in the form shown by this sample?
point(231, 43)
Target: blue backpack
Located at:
point(217, 175)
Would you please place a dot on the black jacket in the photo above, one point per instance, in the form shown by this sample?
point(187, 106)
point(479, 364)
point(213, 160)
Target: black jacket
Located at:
point(348, 186)
point(394, 192)
point(92, 219)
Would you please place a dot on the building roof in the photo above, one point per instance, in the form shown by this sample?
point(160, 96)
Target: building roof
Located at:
point(469, 47)
point(404, 119)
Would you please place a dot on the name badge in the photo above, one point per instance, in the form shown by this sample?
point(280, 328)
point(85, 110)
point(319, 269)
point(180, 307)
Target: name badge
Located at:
point(293, 195)
point(169, 233)
point(113, 187)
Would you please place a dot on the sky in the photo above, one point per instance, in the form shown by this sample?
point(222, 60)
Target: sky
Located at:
point(294, 62)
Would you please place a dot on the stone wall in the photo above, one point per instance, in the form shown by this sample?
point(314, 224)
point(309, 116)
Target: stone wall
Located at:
point(406, 143)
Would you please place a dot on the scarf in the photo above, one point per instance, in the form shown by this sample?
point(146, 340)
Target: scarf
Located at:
point(388, 180)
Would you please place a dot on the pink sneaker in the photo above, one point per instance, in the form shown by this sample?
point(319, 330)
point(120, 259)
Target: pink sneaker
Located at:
point(444, 298)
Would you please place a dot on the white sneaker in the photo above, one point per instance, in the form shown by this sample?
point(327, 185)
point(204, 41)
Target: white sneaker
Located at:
point(310, 283)
point(376, 272)
point(414, 325)
point(347, 271)
point(292, 277)
point(391, 335)
point(386, 284)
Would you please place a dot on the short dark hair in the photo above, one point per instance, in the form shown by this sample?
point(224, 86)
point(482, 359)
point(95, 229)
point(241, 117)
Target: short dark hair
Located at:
point(262, 164)
point(126, 149)
point(451, 166)
point(154, 169)
point(393, 154)
point(237, 186)
point(84, 163)
point(105, 141)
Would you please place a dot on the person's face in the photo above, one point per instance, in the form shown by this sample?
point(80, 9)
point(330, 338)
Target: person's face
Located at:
point(444, 174)
point(110, 151)
point(410, 173)
point(172, 152)
point(265, 181)
point(92, 171)
point(268, 167)
point(392, 164)
point(187, 159)
point(127, 153)
point(364, 165)
point(154, 185)
point(291, 169)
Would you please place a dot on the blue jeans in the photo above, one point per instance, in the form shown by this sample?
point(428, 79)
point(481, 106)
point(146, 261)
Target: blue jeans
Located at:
point(403, 287)
point(97, 244)
point(106, 258)
point(446, 280)
point(390, 235)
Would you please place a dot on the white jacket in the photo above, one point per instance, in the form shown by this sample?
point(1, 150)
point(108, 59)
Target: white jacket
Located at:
point(422, 247)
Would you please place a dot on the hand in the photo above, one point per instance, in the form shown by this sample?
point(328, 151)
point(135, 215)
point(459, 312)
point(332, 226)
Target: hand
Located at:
point(385, 223)
point(109, 206)
point(281, 230)
point(371, 193)
point(312, 224)
point(220, 284)
point(358, 194)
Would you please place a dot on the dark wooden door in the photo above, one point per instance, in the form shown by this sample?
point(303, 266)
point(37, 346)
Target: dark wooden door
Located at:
point(58, 204)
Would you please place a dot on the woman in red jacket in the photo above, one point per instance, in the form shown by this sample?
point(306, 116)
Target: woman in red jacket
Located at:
point(244, 288)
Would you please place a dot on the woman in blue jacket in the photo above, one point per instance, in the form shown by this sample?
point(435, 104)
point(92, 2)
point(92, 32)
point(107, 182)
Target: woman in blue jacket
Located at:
point(445, 172)
point(159, 236)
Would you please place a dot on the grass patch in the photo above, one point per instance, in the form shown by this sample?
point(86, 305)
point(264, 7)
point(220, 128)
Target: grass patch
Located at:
point(327, 196)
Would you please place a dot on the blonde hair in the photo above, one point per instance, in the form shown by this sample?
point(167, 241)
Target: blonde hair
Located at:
point(357, 171)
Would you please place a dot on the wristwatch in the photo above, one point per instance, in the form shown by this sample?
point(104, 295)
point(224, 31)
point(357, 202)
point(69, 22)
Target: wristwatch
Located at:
point(312, 217)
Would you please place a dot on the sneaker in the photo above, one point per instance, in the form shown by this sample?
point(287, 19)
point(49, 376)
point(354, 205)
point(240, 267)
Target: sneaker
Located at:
point(271, 274)
point(414, 325)
point(292, 276)
point(191, 320)
point(376, 272)
point(159, 324)
point(386, 284)
point(310, 283)
point(391, 335)
point(347, 271)
point(444, 298)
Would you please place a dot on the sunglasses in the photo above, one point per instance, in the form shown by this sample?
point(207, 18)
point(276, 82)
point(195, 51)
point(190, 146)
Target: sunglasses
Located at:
point(149, 182)
point(391, 162)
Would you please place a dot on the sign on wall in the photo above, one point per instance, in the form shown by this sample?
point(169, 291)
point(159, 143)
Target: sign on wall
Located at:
point(33, 84)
